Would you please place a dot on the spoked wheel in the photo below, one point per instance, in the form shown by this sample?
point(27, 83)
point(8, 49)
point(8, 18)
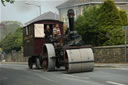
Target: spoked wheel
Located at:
point(48, 61)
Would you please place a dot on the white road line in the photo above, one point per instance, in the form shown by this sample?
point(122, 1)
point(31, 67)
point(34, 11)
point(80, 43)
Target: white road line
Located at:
point(37, 70)
point(75, 76)
point(3, 78)
point(75, 79)
point(125, 69)
point(114, 83)
point(47, 79)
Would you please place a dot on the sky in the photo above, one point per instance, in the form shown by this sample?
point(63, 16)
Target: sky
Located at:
point(19, 11)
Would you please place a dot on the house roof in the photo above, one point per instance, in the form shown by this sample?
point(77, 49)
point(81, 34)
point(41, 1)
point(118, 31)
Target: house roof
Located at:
point(72, 3)
point(46, 16)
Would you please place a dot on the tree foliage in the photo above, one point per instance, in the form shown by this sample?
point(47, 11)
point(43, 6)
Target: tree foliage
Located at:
point(9, 26)
point(102, 24)
point(124, 17)
point(13, 41)
point(9, 1)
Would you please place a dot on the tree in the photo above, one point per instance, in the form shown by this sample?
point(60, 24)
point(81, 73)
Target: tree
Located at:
point(9, 26)
point(109, 15)
point(13, 41)
point(1, 50)
point(9, 1)
point(86, 25)
point(124, 17)
point(110, 21)
point(102, 24)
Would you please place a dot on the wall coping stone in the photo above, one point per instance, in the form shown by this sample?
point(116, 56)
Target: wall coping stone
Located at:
point(114, 46)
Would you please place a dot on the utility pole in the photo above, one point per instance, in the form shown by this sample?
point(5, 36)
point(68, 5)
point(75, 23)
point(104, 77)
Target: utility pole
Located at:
point(0, 33)
point(125, 29)
point(35, 6)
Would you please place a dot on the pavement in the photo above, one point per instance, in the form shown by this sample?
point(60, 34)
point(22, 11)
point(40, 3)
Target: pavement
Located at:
point(19, 74)
point(116, 65)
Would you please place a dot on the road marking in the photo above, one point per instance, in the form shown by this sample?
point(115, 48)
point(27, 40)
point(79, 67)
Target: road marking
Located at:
point(125, 69)
point(47, 79)
point(73, 76)
point(3, 78)
point(114, 83)
point(37, 70)
point(75, 79)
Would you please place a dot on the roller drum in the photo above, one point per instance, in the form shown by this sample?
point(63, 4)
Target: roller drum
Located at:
point(79, 60)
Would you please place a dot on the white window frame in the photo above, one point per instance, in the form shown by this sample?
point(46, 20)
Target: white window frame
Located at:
point(39, 31)
point(26, 29)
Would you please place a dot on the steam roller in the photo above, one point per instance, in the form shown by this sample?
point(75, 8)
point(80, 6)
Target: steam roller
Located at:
point(68, 51)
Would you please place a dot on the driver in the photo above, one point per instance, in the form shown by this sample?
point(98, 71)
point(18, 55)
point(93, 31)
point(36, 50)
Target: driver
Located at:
point(48, 33)
point(57, 35)
point(56, 31)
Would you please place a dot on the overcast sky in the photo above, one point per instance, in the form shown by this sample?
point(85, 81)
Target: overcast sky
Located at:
point(21, 12)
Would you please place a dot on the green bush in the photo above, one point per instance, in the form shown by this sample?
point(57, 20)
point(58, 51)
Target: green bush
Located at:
point(13, 41)
point(102, 24)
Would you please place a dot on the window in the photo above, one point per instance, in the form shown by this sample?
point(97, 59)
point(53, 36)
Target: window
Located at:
point(39, 30)
point(118, 7)
point(26, 30)
point(76, 14)
point(82, 9)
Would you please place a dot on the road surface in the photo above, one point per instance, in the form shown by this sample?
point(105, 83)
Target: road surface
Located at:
point(16, 74)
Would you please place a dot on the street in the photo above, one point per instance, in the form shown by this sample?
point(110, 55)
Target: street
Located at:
point(19, 74)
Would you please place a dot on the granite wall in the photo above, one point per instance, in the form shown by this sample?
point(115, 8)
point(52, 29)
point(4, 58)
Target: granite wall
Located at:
point(103, 54)
point(15, 57)
point(110, 54)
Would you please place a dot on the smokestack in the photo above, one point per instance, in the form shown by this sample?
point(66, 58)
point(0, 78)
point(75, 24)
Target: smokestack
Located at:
point(71, 19)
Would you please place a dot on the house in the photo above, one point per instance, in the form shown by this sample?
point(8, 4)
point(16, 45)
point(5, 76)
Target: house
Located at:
point(79, 5)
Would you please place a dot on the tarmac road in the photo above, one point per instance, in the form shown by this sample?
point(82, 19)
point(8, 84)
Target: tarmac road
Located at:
point(17, 74)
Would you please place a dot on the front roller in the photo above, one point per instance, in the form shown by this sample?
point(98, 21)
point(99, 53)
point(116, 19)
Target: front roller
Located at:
point(48, 60)
point(79, 60)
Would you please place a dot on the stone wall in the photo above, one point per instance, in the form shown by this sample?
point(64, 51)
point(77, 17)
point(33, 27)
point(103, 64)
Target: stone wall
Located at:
point(110, 54)
point(15, 57)
point(103, 54)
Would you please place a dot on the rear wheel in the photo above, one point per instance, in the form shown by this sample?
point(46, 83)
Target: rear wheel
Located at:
point(48, 60)
point(66, 62)
point(37, 63)
point(30, 62)
point(45, 64)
